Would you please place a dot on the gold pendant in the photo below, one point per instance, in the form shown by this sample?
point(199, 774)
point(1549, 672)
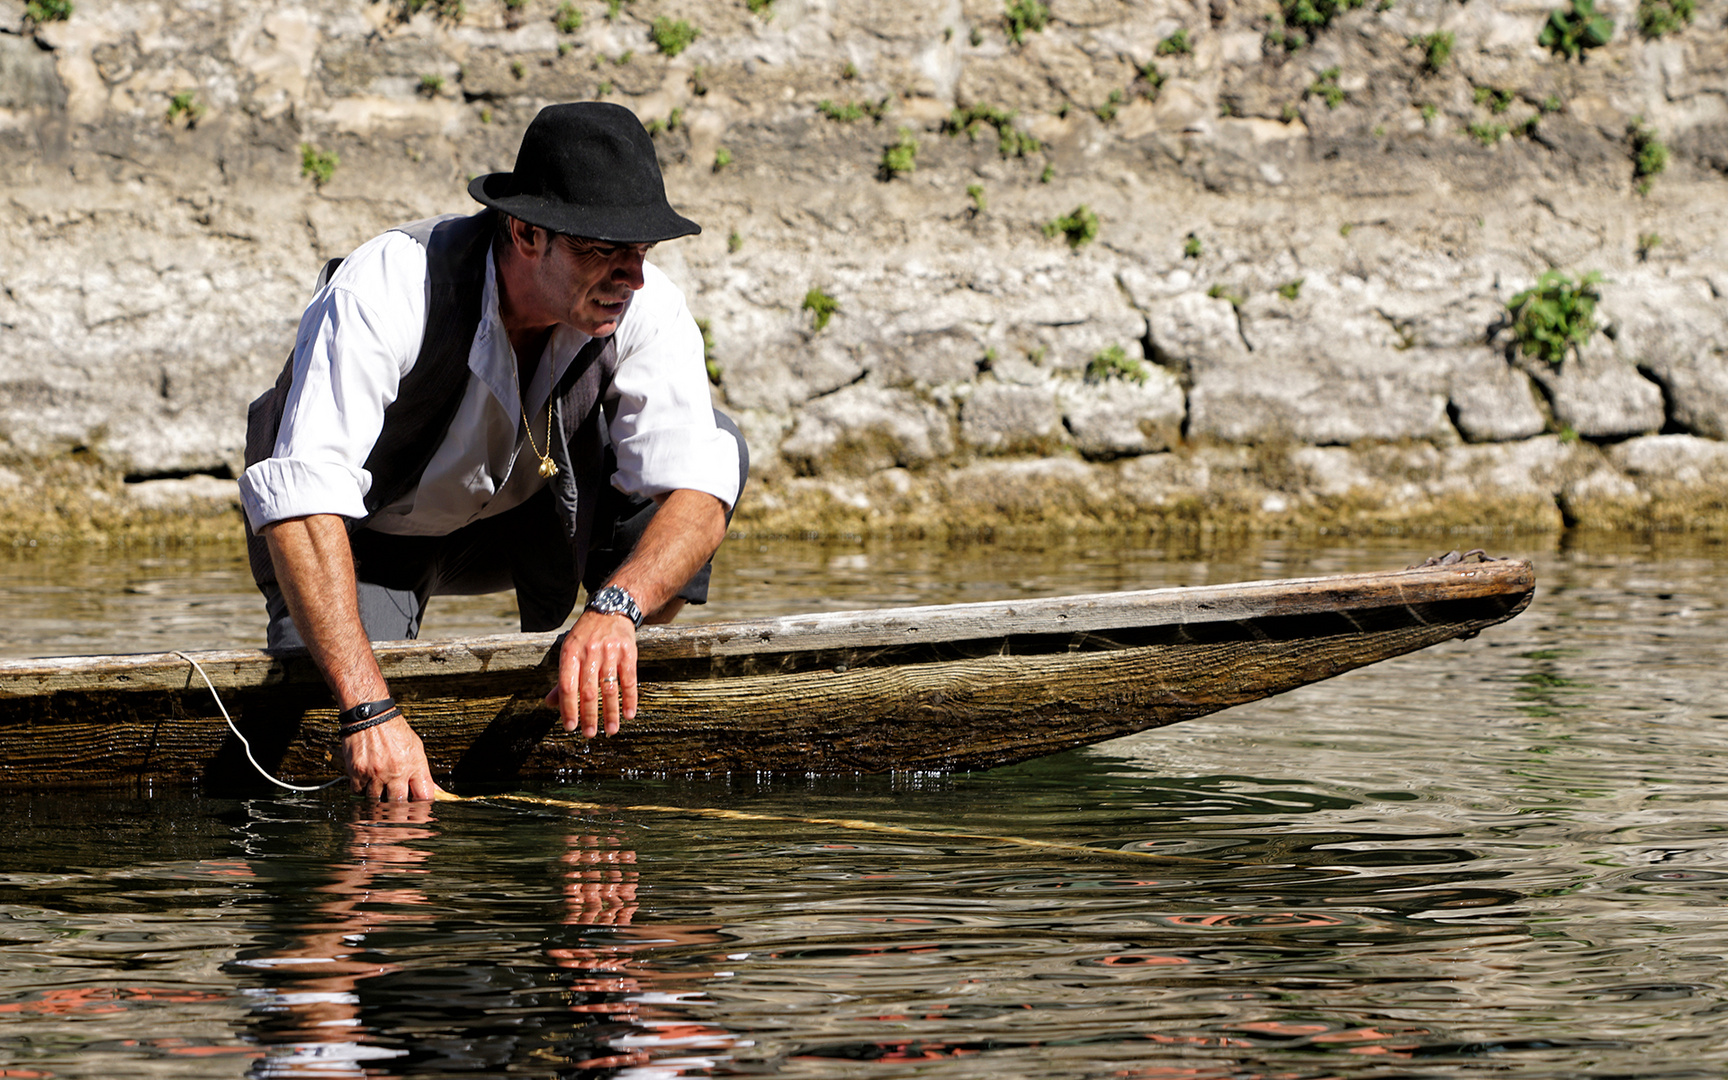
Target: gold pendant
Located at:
point(548, 468)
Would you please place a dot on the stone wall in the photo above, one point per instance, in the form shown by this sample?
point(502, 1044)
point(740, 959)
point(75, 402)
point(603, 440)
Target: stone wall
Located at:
point(1293, 310)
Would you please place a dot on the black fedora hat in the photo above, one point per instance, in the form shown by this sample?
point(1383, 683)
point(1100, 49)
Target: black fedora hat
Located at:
point(587, 169)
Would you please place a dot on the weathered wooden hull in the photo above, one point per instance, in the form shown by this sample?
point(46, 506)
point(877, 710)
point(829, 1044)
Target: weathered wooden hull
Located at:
point(966, 686)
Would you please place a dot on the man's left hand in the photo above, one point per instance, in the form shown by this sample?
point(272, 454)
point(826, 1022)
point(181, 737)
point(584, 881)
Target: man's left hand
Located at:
point(596, 674)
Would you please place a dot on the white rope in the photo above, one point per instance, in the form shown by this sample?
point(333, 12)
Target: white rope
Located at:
point(279, 783)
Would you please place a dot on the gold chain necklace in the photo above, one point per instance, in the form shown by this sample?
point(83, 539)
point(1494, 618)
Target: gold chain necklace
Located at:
point(548, 467)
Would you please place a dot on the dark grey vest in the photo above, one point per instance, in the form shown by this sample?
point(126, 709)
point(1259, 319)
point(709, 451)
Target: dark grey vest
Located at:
point(418, 420)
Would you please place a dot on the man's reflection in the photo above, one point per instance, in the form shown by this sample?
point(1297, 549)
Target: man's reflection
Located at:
point(394, 968)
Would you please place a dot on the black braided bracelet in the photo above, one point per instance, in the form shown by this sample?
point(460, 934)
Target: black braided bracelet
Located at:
point(366, 710)
point(354, 729)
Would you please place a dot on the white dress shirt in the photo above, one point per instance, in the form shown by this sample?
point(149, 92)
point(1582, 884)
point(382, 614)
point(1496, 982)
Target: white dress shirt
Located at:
point(362, 334)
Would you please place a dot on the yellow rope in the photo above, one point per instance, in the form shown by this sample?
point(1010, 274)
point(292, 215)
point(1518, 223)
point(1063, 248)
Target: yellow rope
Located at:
point(855, 824)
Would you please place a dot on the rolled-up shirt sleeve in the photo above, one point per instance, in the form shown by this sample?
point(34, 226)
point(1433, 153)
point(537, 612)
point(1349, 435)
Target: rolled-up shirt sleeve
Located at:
point(663, 427)
point(356, 340)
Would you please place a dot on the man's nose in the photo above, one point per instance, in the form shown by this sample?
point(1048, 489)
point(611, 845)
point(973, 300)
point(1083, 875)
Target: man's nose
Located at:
point(628, 269)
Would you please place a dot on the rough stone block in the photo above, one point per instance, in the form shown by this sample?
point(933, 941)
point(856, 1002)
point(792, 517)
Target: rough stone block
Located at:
point(1001, 418)
point(1118, 418)
point(862, 429)
point(1599, 395)
point(1489, 400)
point(1685, 460)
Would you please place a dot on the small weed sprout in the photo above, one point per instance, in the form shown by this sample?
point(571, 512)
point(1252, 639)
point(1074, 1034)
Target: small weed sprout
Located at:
point(613, 9)
point(1191, 248)
point(1346, 229)
point(1048, 174)
point(1550, 104)
point(1115, 363)
point(431, 85)
point(1176, 44)
point(900, 156)
point(1291, 289)
point(1658, 17)
point(708, 360)
point(847, 112)
point(722, 158)
point(1303, 18)
point(1326, 87)
point(1497, 100)
point(186, 104)
point(734, 242)
point(821, 307)
point(1555, 316)
point(602, 90)
point(1429, 111)
point(567, 18)
point(1010, 141)
point(1289, 114)
point(47, 11)
point(1226, 292)
point(518, 69)
point(764, 8)
point(1486, 133)
point(698, 81)
point(1079, 226)
point(1153, 81)
point(1647, 243)
point(672, 36)
point(443, 9)
point(1023, 15)
point(1112, 105)
point(849, 71)
point(1649, 154)
point(1436, 49)
point(975, 192)
point(1570, 31)
point(320, 166)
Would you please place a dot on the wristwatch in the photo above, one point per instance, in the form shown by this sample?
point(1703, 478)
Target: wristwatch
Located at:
point(613, 600)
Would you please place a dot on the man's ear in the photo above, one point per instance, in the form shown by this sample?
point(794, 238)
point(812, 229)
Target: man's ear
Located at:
point(530, 241)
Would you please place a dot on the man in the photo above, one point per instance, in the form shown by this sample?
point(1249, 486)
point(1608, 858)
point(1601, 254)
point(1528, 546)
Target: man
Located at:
point(515, 399)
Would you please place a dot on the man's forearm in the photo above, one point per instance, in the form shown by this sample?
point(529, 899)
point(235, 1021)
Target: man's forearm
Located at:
point(315, 570)
point(683, 535)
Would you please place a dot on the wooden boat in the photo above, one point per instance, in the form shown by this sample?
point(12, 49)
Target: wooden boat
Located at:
point(965, 686)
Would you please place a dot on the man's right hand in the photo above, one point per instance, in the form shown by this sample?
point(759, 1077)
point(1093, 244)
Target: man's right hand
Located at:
point(388, 762)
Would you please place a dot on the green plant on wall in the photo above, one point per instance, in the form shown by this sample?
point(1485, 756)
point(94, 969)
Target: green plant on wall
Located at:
point(1572, 30)
point(1302, 19)
point(708, 360)
point(722, 158)
point(1291, 289)
point(185, 105)
point(1649, 154)
point(1112, 105)
point(1226, 292)
point(1152, 80)
point(1079, 226)
point(1191, 248)
point(1325, 86)
point(1010, 141)
point(821, 307)
point(975, 192)
point(320, 166)
point(1176, 44)
point(47, 11)
point(846, 112)
point(444, 9)
point(1021, 16)
point(1658, 17)
point(672, 36)
point(900, 156)
point(567, 19)
point(1555, 316)
point(1115, 363)
point(1436, 48)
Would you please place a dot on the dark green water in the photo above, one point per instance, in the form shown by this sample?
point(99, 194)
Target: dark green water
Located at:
point(1508, 855)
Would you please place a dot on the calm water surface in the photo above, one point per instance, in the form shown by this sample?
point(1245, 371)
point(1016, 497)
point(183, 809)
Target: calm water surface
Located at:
point(1508, 855)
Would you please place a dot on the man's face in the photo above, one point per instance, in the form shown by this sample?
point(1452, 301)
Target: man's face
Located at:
point(589, 282)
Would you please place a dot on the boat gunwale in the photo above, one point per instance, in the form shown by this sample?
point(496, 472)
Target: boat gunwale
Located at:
point(239, 669)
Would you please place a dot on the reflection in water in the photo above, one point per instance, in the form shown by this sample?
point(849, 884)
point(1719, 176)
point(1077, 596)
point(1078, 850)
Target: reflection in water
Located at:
point(367, 974)
point(1505, 855)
